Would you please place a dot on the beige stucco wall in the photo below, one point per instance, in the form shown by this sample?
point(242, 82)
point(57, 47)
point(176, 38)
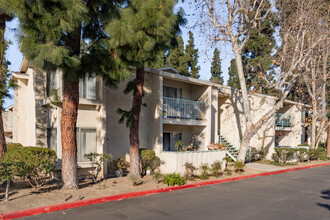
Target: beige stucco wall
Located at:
point(232, 120)
point(291, 136)
point(25, 120)
point(149, 129)
point(206, 132)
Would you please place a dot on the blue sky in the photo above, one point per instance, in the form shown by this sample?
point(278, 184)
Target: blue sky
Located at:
point(204, 46)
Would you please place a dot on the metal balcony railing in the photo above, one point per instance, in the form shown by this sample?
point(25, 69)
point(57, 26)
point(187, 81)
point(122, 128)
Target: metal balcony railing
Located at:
point(282, 120)
point(183, 109)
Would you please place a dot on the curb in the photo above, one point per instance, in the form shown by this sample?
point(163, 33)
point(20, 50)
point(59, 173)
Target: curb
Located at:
point(58, 207)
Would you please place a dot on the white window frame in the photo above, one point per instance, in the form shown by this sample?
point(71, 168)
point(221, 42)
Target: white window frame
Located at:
point(81, 158)
point(86, 84)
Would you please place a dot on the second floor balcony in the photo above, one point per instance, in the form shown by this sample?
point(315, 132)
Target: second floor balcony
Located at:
point(183, 109)
point(283, 120)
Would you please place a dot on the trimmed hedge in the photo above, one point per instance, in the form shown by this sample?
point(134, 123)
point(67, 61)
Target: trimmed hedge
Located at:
point(283, 155)
point(31, 163)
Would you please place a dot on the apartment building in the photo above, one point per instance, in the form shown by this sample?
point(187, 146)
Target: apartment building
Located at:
point(197, 112)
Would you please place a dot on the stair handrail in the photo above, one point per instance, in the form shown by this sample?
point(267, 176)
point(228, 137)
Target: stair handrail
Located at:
point(230, 155)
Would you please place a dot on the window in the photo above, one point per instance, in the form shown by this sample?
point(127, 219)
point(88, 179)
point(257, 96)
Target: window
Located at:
point(86, 142)
point(87, 87)
point(172, 92)
point(51, 83)
point(52, 139)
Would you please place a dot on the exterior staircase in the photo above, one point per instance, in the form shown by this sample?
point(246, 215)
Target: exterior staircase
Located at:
point(231, 151)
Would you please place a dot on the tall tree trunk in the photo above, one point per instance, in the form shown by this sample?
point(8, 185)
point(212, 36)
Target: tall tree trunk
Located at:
point(7, 190)
point(69, 119)
point(306, 128)
point(134, 130)
point(328, 143)
point(3, 147)
point(313, 132)
point(68, 134)
point(246, 105)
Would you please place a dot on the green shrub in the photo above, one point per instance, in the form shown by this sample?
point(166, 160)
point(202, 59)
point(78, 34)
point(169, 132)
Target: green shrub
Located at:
point(239, 166)
point(12, 146)
point(228, 159)
point(36, 163)
point(173, 179)
point(257, 155)
point(323, 145)
point(9, 169)
point(179, 146)
point(316, 154)
point(122, 164)
point(97, 160)
point(282, 155)
point(216, 169)
point(189, 171)
point(228, 171)
point(204, 168)
point(149, 160)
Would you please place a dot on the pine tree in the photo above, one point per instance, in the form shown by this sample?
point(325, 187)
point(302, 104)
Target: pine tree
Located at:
point(258, 57)
point(177, 57)
point(144, 28)
point(159, 60)
point(216, 71)
point(5, 83)
point(51, 36)
point(233, 79)
point(192, 54)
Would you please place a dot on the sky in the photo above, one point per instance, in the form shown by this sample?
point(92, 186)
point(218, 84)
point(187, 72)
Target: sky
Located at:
point(204, 46)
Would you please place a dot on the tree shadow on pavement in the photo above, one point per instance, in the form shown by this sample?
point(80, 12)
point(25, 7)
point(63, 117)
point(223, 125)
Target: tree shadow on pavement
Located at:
point(325, 195)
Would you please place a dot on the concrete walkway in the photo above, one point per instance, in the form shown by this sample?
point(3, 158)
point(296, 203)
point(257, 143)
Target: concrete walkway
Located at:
point(264, 167)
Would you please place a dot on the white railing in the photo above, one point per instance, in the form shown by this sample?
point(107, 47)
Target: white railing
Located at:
point(183, 109)
point(283, 120)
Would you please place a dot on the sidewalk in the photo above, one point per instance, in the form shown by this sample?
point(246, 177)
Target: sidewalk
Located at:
point(264, 167)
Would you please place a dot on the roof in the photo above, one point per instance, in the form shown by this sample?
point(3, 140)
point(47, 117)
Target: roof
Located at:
point(10, 107)
point(17, 75)
point(169, 69)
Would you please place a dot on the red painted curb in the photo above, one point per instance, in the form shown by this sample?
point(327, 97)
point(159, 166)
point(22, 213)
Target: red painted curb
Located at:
point(58, 207)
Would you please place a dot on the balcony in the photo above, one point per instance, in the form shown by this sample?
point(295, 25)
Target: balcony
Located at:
point(183, 109)
point(283, 121)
